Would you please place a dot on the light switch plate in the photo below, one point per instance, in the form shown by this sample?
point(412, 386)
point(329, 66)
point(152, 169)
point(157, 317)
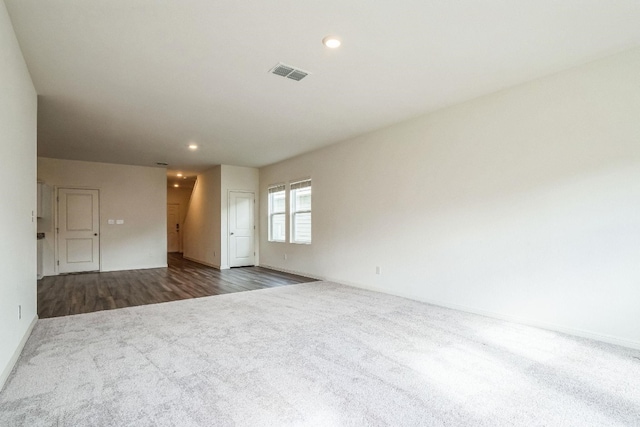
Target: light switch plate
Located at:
point(111, 221)
point(119, 221)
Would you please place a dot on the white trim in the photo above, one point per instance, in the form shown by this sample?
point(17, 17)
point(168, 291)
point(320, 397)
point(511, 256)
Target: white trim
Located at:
point(16, 354)
point(205, 263)
point(144, 267)
point(298, 273)
point(611, 339)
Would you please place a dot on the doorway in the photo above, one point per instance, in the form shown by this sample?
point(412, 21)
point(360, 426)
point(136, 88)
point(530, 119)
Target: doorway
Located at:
point(241, 229)
point(174, 225)
point(78, 230)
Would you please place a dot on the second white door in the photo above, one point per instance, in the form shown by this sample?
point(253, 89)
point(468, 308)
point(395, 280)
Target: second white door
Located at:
point(241, 229)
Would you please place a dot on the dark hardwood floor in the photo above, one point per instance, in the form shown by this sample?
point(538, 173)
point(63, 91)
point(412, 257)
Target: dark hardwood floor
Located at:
point(84, 293)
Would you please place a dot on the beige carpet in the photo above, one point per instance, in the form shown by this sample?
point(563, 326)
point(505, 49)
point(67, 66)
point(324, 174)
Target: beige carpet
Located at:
point(313, 354)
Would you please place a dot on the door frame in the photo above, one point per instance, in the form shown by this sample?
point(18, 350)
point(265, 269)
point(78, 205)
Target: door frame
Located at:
point(229, 224)
point(56, 259)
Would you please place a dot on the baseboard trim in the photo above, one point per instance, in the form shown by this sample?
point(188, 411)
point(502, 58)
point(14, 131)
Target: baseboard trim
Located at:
point(610, 339)
point(142, 267)
point(16, 354)
point(297, 273)
point(202, 262)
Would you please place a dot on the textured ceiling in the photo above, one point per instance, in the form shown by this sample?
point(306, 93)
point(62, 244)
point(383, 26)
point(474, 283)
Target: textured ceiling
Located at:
point(136, 82)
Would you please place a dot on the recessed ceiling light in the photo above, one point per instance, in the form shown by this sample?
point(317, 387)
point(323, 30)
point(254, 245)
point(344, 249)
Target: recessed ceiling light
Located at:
point(193, 146)
point(331, 42)
point(178, 174)
point(176, 185)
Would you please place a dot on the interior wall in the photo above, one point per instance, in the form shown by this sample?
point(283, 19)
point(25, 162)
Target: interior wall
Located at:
point(202, 223)
point(135, 194)
point(237, 178)
point(18, 110)
point(181, 196)
point(523, 204)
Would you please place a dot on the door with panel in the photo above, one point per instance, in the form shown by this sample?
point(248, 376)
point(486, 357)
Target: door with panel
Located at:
point(241, 229)
point(78, 230)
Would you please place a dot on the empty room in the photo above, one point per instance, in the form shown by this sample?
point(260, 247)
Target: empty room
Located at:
point(336, 213)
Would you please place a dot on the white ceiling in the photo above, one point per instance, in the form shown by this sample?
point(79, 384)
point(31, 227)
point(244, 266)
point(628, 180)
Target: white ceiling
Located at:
point(134, 82)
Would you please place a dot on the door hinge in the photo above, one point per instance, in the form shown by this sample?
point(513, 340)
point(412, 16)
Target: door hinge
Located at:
point(58, 262)
point(57, 230)
point(57, 199)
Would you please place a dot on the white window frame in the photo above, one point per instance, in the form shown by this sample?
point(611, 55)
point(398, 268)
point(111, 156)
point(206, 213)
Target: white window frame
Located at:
point(294, 186)
point(272, 190)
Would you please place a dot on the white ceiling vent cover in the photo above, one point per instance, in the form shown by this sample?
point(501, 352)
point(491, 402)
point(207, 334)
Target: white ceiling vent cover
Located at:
point(289, 72)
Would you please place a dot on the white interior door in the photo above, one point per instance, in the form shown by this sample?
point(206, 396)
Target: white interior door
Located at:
point(78, 230)
point(241, 229)
point(173, 227)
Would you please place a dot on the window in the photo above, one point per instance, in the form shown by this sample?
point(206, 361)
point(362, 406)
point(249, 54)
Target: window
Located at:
point(277, 216)
point(301, 212)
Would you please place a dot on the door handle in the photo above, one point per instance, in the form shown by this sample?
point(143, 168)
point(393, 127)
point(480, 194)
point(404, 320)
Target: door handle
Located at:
point(231, 234)
point(95, 234)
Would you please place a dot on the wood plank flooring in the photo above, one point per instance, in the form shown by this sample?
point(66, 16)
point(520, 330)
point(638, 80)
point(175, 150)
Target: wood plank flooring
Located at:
point(84, 293)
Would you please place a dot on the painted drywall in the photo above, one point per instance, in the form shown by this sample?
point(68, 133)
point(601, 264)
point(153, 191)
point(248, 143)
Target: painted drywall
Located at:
point(524, 204)
point(206, 225)
point(180, 196)
point(135, 194)
point(202, 223)
point(237, 178)
point(18, 111)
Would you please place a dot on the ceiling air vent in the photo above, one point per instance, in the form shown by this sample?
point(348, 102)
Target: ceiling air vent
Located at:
point(289, 72)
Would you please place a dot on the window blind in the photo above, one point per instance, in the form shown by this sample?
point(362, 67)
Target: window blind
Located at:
point(301, 184)
point(276, 189)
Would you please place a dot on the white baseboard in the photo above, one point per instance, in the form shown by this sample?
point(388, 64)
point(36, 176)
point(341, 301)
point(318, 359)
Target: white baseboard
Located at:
point(16, 354)
point(141, 267)
point(297, 273)
point(203, 262)
point(611, 339)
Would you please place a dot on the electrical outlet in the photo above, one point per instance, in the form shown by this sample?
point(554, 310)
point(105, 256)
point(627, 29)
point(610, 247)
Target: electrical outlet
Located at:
point(19, 312)
point(285, 256)
point(214, 253)
point(378, 270)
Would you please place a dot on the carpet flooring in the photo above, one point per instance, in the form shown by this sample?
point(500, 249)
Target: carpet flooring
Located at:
point(318, 354)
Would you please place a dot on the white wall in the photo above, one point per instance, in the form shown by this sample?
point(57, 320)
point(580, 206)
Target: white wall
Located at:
point(237, 178)
point(202, 224)
point(18, 109)
point(524, 204)
point(182, 197)
point(136, 194)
